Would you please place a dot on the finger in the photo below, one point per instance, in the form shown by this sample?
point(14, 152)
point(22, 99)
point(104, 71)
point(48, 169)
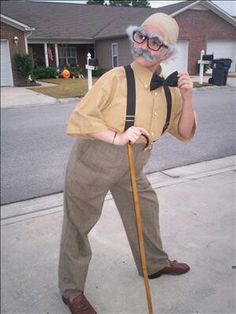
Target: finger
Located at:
point(133, 138)
point(186, 83)
point(185, 78)
point(143, 131)
point(185, 86)
point(183, 74)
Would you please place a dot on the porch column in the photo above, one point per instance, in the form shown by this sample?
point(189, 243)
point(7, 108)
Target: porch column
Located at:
point(26, 45)
point(46, 54)
point(56, 55)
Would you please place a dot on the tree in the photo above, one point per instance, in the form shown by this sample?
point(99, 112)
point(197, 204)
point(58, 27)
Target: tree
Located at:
point(120, 3)
point(99, 2)
point(140, 3)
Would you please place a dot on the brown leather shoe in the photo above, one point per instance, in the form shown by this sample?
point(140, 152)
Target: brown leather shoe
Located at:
point(174, 268)
point(79, 305)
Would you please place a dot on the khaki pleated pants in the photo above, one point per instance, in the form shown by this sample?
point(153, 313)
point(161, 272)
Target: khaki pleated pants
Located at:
point(93, 169)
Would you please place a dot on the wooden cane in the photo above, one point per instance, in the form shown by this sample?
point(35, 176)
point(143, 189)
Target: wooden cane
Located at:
point(139, 226)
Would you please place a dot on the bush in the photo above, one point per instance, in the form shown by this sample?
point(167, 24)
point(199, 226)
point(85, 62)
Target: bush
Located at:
point(99, 72)
point(74, 71)
point(24, 65)
point(43, 72)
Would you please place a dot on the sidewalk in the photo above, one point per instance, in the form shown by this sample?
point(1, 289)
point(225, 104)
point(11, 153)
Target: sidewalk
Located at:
point(197, 214)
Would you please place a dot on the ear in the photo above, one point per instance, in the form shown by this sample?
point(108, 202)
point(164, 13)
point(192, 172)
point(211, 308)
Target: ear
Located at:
point(170, 53)
point(166, 55)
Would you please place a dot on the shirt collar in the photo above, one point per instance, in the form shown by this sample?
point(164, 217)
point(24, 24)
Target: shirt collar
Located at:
point(143, 73)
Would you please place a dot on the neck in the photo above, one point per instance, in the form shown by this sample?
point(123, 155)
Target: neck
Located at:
point(155, 69)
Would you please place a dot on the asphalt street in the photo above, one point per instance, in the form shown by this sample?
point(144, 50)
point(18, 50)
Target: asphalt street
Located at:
point(35, 148)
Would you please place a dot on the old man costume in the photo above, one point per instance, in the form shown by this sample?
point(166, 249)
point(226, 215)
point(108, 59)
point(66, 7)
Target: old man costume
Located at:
point(124, 104)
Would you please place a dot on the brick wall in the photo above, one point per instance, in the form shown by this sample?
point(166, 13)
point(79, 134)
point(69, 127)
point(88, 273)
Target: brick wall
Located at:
point(8, 32)
point(199, 26)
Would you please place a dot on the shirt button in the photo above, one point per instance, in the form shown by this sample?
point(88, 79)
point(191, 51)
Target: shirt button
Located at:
point(155, 93)
point(152, 133)
point(146, 86)
point(155, 113)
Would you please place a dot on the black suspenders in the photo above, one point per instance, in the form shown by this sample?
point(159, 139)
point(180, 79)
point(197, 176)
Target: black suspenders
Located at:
point(131, 100)
point(169, 107)
point(131, 97)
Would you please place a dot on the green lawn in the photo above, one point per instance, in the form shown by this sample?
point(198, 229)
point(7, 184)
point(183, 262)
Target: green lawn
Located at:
point(64, 88)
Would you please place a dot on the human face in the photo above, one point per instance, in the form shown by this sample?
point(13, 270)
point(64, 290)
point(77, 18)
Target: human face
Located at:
point(148, 48)
point(154, 43)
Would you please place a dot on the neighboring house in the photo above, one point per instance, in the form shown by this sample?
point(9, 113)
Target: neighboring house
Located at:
point(64, 33)
point(13, 40)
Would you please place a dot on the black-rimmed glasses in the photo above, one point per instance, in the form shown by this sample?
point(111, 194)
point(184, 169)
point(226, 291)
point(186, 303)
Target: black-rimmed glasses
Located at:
point(153, 43)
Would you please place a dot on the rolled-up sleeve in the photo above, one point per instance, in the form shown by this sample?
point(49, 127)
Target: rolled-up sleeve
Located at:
point(176, 114)
point(87, 116)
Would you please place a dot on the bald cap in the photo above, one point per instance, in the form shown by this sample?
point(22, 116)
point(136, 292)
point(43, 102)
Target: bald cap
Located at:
point(166, 24)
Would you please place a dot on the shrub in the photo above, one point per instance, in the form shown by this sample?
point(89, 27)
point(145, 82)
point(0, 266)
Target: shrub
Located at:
point(43, 72)
point(24, 64)
point(99, 72)
point(74, 71)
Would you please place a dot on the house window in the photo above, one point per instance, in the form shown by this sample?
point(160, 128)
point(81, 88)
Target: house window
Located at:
point(114, 51)
point(67, 56)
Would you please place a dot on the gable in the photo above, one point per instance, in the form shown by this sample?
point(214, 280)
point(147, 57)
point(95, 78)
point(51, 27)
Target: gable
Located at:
point(204, 24)
point(207, 5)
point(14, 23)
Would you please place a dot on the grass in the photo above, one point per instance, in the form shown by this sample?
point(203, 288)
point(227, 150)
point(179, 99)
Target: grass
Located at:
point(198, 85)
point(64, 88)
point(70, 88)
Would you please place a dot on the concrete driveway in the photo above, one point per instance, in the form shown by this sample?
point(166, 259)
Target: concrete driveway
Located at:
point(21, 96)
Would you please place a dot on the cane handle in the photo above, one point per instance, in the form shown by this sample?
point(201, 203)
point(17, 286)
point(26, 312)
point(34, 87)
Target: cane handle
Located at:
point(147, 141)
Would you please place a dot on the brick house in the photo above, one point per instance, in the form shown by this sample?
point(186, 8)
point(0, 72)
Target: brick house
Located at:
point(64, 33)
point(13, 40)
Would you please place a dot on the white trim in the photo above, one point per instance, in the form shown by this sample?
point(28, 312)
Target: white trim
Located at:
point(15, 23)
point(217, 10)
point(26, 41)
point(26, 45)
point(113, 55)
point(46, 54)
point(185, 8)
point(61, 41)
point(10, 64)
point(211, 6)
point(56, 55)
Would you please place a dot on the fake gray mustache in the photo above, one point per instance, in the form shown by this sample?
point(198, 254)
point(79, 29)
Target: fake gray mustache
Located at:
point(139, 52)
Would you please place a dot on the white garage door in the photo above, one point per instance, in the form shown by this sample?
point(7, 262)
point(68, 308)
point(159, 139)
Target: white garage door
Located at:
point(179, 61)
point(6, 69)
point(223, 49)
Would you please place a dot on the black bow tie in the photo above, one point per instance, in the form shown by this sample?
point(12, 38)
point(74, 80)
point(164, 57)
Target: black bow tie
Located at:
point(157, 81)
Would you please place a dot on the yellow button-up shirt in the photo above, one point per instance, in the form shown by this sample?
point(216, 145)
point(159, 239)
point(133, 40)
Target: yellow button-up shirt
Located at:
point(104, 106)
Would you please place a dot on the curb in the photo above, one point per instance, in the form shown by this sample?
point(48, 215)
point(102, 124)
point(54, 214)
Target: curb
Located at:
point(45, 205)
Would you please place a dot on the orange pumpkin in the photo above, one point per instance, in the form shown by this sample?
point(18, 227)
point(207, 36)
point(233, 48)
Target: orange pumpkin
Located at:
point(66, 74)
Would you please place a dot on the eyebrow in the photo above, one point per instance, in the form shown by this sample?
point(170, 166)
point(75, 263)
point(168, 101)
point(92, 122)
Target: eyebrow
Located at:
point(156, 36)
point(152, 35)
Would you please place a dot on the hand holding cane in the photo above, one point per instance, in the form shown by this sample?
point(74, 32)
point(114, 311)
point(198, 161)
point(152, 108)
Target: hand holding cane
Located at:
point(139, 223)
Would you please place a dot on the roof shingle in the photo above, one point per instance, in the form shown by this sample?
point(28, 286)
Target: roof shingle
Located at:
point(78, 21)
